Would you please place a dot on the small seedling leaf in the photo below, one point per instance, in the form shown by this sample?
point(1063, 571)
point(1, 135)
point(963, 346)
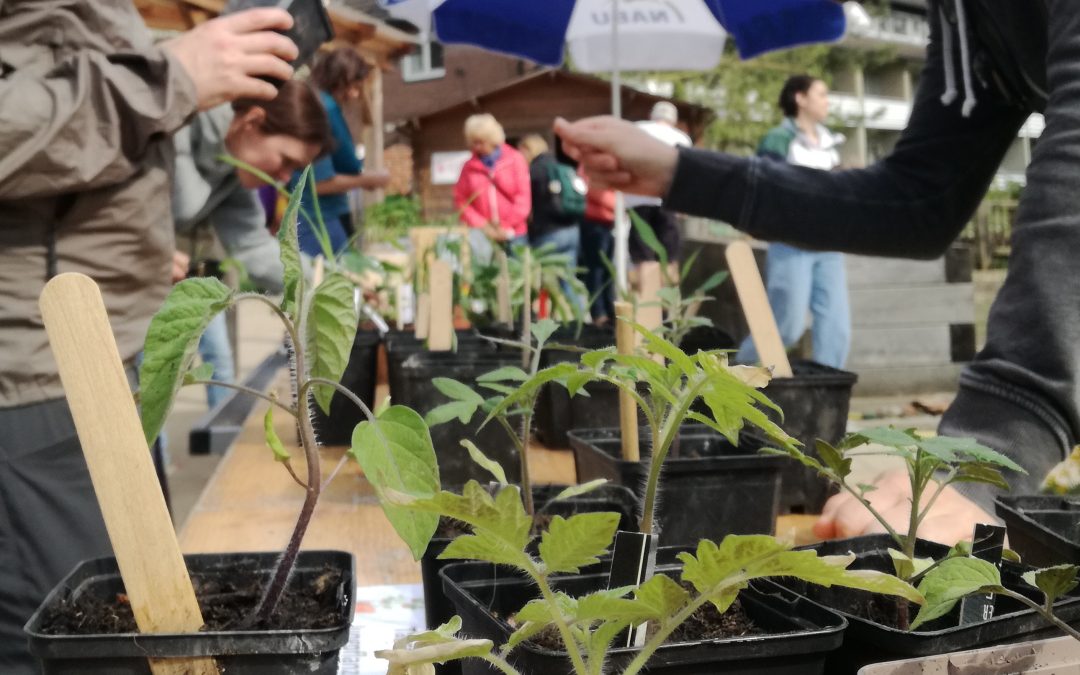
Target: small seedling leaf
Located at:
point(950, 581)
point(289, 247)
point(457, 390)
point(504, 374)
point(202, 372)
point(833, 459)
point(572, 543)
point(660, 598)
point(1055, 581)
point(484, 462)
point(459, 410)
point(171, 344)
point(578, 490)
point(542, 330)
point(395, 452)
point(273, 441)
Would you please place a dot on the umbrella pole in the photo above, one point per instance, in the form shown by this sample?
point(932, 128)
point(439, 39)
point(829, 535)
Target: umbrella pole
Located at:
point(622, 223)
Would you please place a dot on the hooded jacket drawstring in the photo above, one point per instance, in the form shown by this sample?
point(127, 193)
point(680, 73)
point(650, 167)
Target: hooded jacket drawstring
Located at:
point(965, 59)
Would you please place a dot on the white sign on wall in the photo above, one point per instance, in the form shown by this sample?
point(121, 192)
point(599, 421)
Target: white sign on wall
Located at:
point(446, 166)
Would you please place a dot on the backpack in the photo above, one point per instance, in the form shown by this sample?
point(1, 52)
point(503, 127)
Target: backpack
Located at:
point(566, 190)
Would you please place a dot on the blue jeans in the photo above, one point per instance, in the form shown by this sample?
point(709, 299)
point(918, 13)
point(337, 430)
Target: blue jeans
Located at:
point(597, 241)
point(567, 241)
point(335, 228)
point(801, 281)
point(214, 348)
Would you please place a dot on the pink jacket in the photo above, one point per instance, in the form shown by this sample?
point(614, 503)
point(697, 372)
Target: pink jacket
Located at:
point(507, 187)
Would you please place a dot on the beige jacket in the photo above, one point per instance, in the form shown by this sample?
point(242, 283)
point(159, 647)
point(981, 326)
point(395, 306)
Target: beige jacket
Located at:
point(87, 107)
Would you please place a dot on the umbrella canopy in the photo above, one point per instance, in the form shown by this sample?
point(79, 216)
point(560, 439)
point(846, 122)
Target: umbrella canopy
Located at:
point(539, 30)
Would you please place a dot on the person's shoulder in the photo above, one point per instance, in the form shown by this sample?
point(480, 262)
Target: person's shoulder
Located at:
point(776, 141)
point(328, 101)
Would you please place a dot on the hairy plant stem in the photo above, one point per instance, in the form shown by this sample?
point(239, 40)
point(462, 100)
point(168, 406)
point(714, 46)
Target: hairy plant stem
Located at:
point(1046, 610)
point(501, 664)
point(668, 431)
point(556, 616)
point(247, 390)
point(664, 632)
point(526, 360)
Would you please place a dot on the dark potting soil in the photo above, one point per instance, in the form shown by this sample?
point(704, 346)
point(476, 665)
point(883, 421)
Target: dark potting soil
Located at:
point(707, 623)
point(881, 609)
point(310, 602)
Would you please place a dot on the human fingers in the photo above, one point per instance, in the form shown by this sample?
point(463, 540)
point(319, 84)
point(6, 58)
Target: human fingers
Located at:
point(257, 19)
point(268, 42)
point(265, 65)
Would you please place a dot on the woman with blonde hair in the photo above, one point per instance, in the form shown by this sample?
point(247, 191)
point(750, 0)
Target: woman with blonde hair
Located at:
point(492, 194)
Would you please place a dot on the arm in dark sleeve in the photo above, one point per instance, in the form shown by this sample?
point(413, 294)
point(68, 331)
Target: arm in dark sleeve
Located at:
point(911, 204)
point(88, 122)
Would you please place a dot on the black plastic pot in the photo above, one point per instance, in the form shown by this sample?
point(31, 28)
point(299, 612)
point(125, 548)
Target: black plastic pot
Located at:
point(606, 498)
point(709, 487)
point(359, 378)
point(410, 384)
point(815, 403)
point(1043, 529)
point(557, 414)
point(867, 641)
point(297, 650)
point(802, 632)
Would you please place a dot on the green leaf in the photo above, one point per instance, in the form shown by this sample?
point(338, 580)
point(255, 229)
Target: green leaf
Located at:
point(570, 544)
point(1010, 555)
point(711, 283)
point(486, 463)
point(658, 345)
point(833, 459)
point(525, 632)
point(202, 372)
point(951, 580)
point(459, 410)
point(865, 487)
point(457, 390)
point(331, 330)
point(610, 603)
point(740, 558)
point(395, 452)
point(952, 450)
point(289, 246)
point(504, 374)
point(648, 237)
point(529, 388)
point(688, 264)
point(171, 344)
point(542, 330)
point(1055, 581)
point(540, 610)
point(889, 436)
point(906, 567)
point(578, 490)
point(273, 441)
point(972, 472)
point(597, 358)
point(661, 598)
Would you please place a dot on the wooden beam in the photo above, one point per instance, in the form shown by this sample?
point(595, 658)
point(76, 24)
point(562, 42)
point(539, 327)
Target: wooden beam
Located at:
point(373, 147)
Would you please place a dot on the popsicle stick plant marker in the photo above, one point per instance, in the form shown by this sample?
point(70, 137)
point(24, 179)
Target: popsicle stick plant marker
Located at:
point(755, 304)
point(625, 338)
point(136, 517)
point(393, 446)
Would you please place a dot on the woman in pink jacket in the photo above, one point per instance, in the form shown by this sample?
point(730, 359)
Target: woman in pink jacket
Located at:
point(493, 194)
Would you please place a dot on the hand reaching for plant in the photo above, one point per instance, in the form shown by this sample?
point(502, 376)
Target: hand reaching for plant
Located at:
point(952, 517)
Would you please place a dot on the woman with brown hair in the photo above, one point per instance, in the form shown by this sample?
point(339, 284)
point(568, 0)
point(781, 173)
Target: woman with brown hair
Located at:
point(339, 77)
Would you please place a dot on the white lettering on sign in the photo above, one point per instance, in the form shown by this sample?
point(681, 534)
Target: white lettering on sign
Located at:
point(664, 12)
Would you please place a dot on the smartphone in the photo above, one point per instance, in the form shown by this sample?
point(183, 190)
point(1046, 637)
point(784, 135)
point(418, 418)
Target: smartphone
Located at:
point(311, 24)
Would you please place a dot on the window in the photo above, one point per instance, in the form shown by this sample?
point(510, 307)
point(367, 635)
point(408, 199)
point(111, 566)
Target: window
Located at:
point(426, 63)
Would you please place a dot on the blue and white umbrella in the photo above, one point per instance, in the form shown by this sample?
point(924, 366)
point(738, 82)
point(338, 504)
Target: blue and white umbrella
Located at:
point(626, 35)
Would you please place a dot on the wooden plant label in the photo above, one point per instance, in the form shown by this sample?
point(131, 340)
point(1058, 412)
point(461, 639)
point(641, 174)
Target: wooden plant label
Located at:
point(755, 304)
point(650, 313)
point(423, 315)
point(625, 339)
point(441, 288)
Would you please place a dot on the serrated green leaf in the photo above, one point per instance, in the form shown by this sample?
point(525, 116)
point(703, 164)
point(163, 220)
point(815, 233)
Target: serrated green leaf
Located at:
point(575, 384)
point(484, 462)
point(529, 388)
point(525, 632)
point(289, 247)
point(648, 237)
point(459, 410)
point(599, 357)
point(610, 603)
point(204, 371)
point(658, 345)
point(661, 598)
point(501, 519)
point(542, 330)
point(171, 344)
point(395, 452)
point(951, 580)
point(950, 449)
point(483, 546)
point(273, 441)
point(1055, 581)
point(457, 390)
point(435, 653)
point(540, 610)
point(444, 633)
point(598, 642)
point(498, 388)
point(889, 436)
point(570, 544)
point(732, 402)
point(578, 490)
point(331, 327)
point(971, 472)
point(504, 374)
point(833, 459)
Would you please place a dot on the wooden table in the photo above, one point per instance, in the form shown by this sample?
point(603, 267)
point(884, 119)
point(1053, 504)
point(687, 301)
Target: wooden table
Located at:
point(251, 504)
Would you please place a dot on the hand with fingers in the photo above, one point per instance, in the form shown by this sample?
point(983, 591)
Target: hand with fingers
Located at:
point(952, 517)
point(226, 57)
point(617, 154)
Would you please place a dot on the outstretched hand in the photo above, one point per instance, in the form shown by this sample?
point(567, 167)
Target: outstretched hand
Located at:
point(617, 154)
point(226, 56)
point(952, 518)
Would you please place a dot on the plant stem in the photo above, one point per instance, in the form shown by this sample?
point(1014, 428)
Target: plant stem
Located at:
point(288, 467)
point(501, 664)
point(661, 635)
point(247, 390)
point(526, 360)
point(941, 488)
point(869, 507)
point(556, 616)
point(1044, 610)
point(668, 432)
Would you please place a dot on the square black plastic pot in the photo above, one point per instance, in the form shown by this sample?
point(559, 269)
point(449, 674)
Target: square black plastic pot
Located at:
point(557, 413)
point(867, 641)
point(250, 652)
point(1043, 529)
point(410, 385)
point(359, 378)
point(815, 403)
point(801, 636)
point(709, 488)
point(607, 498)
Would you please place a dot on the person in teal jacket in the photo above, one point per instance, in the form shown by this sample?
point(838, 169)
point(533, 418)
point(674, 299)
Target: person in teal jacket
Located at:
point(801, 281)
point(339, 76)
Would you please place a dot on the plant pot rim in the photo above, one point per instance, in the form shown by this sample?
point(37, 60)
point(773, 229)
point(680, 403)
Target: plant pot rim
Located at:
point(992, 658)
